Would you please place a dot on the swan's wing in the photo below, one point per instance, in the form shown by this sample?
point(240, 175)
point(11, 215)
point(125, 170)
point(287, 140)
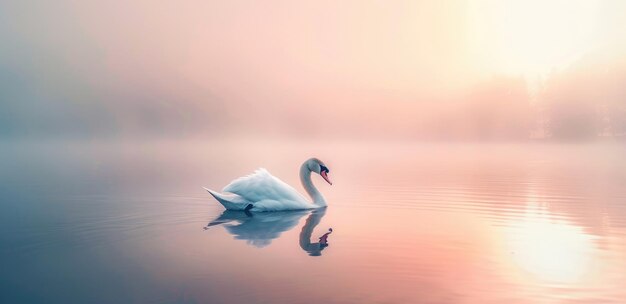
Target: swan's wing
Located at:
point(261, 185)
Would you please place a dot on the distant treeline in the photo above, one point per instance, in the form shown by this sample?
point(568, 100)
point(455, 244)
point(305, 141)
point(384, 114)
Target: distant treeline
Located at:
point(584, 101)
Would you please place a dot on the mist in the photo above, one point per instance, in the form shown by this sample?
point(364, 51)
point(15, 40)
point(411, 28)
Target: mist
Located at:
point(416, 70)
point(459, 151)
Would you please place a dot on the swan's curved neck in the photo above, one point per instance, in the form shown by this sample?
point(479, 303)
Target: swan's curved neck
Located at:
point(305, 178)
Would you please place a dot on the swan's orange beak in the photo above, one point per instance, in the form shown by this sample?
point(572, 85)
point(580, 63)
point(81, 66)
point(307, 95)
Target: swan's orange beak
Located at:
point(325, 176)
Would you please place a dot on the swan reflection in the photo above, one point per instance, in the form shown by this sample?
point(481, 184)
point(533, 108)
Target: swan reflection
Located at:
point(314, 249)
point(259, 229)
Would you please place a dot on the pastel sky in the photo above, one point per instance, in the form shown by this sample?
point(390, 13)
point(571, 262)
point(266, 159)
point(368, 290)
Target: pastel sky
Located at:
point(214, 68)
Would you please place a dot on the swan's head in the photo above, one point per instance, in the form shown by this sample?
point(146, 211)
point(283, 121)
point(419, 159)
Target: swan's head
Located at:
point(317, 166)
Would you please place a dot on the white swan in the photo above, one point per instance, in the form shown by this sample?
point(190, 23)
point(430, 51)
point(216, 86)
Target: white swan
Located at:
point(261, 191)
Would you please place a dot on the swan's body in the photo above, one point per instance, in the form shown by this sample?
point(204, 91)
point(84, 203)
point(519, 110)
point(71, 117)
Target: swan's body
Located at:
point(261, 191)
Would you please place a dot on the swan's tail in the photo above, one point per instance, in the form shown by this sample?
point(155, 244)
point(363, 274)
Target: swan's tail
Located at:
point(213, 193)
point(216, 195)
point(229, 201)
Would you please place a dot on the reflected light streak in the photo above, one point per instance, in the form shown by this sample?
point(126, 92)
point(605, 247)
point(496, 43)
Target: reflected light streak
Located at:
point(549, 248)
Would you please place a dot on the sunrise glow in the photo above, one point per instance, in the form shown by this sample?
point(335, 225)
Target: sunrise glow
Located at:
point(532, 37)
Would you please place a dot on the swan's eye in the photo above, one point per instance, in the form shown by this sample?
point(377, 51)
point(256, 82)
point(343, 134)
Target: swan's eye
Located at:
point(323, 168)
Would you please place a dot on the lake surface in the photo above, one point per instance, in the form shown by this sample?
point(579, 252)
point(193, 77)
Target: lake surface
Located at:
point(91, 222)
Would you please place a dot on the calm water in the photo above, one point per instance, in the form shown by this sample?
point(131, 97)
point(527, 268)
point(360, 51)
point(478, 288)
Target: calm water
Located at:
point(423, 223)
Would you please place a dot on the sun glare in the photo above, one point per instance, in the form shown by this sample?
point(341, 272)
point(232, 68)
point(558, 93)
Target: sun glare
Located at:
point(531, 37)
point(549, 249)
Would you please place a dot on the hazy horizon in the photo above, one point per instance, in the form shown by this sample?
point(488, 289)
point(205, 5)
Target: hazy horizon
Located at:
point(467, 151)
point(422, 70)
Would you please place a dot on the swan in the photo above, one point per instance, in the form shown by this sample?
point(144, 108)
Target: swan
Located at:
point(261, 191)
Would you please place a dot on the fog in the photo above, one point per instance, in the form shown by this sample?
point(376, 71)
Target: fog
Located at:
point(115, 114)
point(416, 70)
